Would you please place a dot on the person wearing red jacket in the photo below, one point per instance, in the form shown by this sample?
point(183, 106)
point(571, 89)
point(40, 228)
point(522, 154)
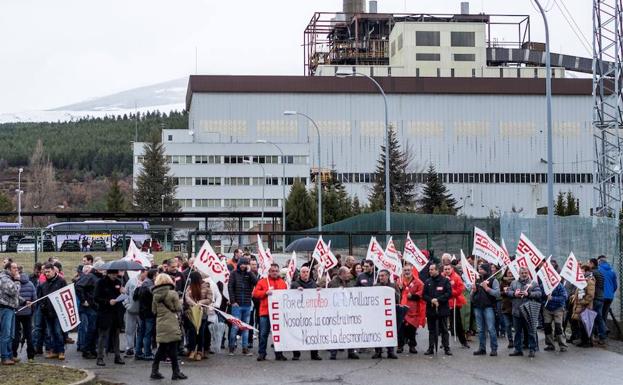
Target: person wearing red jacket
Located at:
point(411, 288)
point(456, 302)
point(262, 291)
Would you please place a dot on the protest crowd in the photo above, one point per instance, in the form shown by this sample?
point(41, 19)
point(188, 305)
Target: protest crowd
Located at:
point(210, 304)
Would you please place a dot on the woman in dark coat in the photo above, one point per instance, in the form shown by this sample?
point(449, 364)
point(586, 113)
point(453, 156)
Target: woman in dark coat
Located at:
point(109, 315)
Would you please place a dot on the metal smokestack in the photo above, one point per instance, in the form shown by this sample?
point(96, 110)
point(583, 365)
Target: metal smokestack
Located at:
point(464, 8)
point(351, 7)
point(373, 6)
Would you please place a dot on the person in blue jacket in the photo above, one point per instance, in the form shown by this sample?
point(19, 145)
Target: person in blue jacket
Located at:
point(553, 312)
point(610, 284)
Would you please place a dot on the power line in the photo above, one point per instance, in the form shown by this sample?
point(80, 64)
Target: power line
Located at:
point(574, 26)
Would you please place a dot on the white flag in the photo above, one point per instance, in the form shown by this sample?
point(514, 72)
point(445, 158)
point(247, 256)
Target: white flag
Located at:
point(291, 269)
point(320, 249)
point(485, 247)
point(469, 273)
point(66, 307)
point(233, 320)
point(505, 258)
point(264, 258)
point(413, 255)
point(522, 261)
point(549, 276)
point(134, 254)
point(329, 260)
point(381, 261)
point(210, 264)
point(392, 256)
point(527, 248)
point(573, 273)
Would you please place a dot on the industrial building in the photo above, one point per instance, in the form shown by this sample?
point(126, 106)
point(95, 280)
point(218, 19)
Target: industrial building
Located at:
point(458, 97)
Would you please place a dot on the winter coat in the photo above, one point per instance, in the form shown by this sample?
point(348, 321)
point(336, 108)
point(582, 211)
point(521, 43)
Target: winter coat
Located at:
point(85, 288)
point(166, 305)
point(507, 302)
point(337, 282)
point(206, 296)
point(411, 296)
point(130, 305)
point(261, 289)
point(610, 280)
point(364, 279)
point(49, 287)
point(437, 287)
point(9, 291)
point(482, 298)
point(240, 286)
point(143, 295)
point(534, 294)
point(583, 299)
point(457, 299)
point(599, 285)
point(27, 292)
point(108, 315)
point(309, 284)
point(179, 280)
point(558, 299)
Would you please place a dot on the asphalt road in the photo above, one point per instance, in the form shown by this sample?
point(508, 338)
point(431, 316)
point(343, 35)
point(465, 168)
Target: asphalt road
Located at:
point(576, 366)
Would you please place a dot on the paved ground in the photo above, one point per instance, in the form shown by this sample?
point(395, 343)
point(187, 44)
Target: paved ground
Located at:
point(577, 366)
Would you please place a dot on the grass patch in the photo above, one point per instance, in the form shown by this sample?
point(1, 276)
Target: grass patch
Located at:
point(35, 374)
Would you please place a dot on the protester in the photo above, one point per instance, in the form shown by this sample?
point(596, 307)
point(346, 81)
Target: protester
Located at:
point(554, 311)
point(507, 306)
point(52, 283)
point(171, 268)
point(85, 291)
point(484, 295)
point(345, 279)
point(198, 293)
point(366, 277)
point(437, 293)
point(147, 319)
point(131, 312)
point(411, 296)
point(582, 300)
point(304, 281)
point(9, 302)
point(350, 262)
point(166, 305)
point(598, 302)
point(109, 315)
point(384, 281)
point(610, 286)
point(522, 291)
point(23, 318)
point(356, 269)
point(457, 301)
point(241, 283)
point(232, 263)
point(262, 291)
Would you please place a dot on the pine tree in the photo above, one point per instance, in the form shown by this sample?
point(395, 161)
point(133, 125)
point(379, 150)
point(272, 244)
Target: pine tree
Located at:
point(560, 208)
point(356, 206)
point(572, 206)
point(436, 199)
point(402, 189)
point(6, 205)
point(114, 200)
point(299, 208)
point(154, 182)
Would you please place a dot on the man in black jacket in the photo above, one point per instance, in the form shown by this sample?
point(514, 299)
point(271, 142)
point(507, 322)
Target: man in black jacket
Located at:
point(304, 282)
point(240, 286)
point(147, 319)
point(366, 278)
point(437, 292)
point(53, 283)
point(109, 315)
point(87, 330)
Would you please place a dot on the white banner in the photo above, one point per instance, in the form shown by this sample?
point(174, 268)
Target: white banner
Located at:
point(210, 264)
point(522, 261)
point(573, 273)
point(485, 247)
point(413, 255)
point(549, 276)
point(381, 261)
point(66, 307)
point(264, 258)
point(392, 255)
point(358, 317)
point(527, 248)
point(291, 269)
point(469, 272)
point(134, 254)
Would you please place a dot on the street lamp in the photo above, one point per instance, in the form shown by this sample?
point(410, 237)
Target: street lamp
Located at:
point(19, 195)
point(345, 73)
point(283, 184)
point(319, 182)
point(550, 162)
point(162, 201)
point(249, 161)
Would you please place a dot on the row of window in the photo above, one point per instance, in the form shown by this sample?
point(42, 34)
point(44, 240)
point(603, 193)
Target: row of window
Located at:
point(563, 178)
point(433, 39)
point(437, 57)
point(232, 159)
point(235, 181)
point(226, 203)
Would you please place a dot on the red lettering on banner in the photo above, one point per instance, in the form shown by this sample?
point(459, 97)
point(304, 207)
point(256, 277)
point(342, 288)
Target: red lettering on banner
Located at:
point(525, 249)
point(68, 304)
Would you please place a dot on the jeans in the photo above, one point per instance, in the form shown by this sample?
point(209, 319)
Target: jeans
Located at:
point(39, 335)
point(143, 338)
point(57, 340)
point(485, 320)
point(508, 322)
point(23, 330)
point(87, 330)
point(600, 324)
point(7, 329)
point(521, 327)
point(243, 313)
point(131, 324)
point(264, 332)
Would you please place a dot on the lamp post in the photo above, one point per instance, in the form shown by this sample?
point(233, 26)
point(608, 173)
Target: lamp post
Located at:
point(319, 182)
point(249, 161)
point(550, 160)
point(162, 203)
point(283, 183)
point(343, 74)
point(19, 195)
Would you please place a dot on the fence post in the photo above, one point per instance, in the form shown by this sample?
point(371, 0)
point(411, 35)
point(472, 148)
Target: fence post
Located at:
point(350, 243)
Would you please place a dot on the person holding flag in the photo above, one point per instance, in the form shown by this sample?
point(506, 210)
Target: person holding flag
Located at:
point(52, 283)
point(240, 287)
point(262, 291)
point(553, 312)
point(522, 291)
point(9, 302)
point(484, 295)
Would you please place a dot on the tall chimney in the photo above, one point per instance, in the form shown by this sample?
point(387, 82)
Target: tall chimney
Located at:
point(351, 7)
point(465, 8)
point(373, 6)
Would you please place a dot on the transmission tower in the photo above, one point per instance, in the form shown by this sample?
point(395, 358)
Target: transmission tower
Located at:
point(608, 104)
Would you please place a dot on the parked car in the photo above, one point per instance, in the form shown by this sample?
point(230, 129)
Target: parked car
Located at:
point(49, 245)
point(119, 243)
point(151, 244)
point(27, 245)
point(70, 245)
point(12, 241)
point(98, 245)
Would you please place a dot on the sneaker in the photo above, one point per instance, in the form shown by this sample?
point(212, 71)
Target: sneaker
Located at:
point(231, 351)
point(31, 360)
point(480, 352)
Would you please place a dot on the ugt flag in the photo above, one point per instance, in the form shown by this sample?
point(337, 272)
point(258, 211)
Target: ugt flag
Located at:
point(210, 264)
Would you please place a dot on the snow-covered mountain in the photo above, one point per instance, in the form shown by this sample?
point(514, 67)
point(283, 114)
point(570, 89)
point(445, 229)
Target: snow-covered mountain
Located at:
point(165, 97)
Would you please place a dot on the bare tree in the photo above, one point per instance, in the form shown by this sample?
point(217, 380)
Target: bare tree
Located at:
point(41, 190)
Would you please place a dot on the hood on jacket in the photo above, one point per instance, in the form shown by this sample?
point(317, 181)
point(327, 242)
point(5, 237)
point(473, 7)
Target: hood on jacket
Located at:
point(605, 265)
point(242, 261)
point(24, 279)
point(160, 291)
point(487, 268)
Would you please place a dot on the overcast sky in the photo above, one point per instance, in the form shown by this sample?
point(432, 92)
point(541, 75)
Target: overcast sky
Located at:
point(59, 52)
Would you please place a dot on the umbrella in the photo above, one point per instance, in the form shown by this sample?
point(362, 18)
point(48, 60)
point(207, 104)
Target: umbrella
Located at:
point(194, 314)
point(588, 319)
point(530, 312)
point(217, 331)
point(122, 264)
point(302, 244)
